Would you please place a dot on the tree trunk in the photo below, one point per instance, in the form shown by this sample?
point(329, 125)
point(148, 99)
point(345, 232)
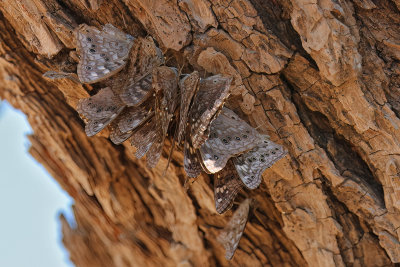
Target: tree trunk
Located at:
point(322, 78)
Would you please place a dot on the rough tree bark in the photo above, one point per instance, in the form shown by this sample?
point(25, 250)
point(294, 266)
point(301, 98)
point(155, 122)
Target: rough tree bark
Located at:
point(320, 77)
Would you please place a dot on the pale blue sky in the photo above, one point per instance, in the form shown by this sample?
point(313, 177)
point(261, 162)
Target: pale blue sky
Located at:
point(30, 201)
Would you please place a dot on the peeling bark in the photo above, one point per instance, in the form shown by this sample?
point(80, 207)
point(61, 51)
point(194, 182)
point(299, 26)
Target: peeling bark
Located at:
point(321, 78)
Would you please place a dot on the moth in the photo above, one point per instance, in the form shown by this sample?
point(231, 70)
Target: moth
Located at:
point(188, 86)
point(191, 161)
point(102, 52)
point(229, 136)
point(54, 75)
point(165, 83)
point(144, 137)
point(227, 184)
point(232, 233)
point(99, 110)
point(208, 100)
point(129, 119)
point(135, 84)
point(252, 164)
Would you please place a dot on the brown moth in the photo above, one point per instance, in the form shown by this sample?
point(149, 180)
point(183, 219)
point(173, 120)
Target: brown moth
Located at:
point(102, 53)
point(233, 231)
point(252, 164)
point(99, 110)
point(208, 100)
point(227, 184)
point(229, 136)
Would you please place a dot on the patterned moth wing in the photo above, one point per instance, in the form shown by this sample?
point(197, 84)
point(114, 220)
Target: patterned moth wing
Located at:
point(144, 138)
point(136, 86)
point(154, 153)
point(54, 75)
point(233, 231)
point(129, 119)
point(191, 161)
point(136, 91)
point(165, 82)
point(229, 136)
point(102, 53)
point(188, 86)
point(226, 186)
point(100, 110)
point(101, 105)
point(132, 117)
point(116, 136)
point(211, 95)
point(252, 164)
point(149, 56)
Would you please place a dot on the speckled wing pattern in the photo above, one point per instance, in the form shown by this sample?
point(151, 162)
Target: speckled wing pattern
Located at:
point(133, 117)
point(137, 85)
point(191, 161)
point(99, 110)
point(165, 81)
point(229, 136)
point(102, 53)
point(116, 136)
point(129, 119)
point(55, 75)
point(232, 233)
point(144, 138)
point(188, 86)
point(208, 100)
point(252, 164)
point(226, 186)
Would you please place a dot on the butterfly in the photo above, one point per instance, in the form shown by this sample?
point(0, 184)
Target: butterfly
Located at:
point(208, 100)
point(188, 86)
point(230, 236)
point(54, 75)
point(227, 184)
point(99, 110)
point(129, 119)
point(229, 136)
point(252, 164)
point(135, 84)
point(191, 161)
point(144, 137)
point(165, 83)
point(102, 53)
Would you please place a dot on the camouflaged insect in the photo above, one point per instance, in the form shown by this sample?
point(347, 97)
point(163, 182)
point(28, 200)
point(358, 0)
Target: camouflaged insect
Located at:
point(144, 138)
point(135, 84)
point(102, 53)
point(99, 110)
point(188, 86)
point(252, 164)
point(227, 184)
point(229, 136)
point(165, 82)
point(191, 161)
point(55, 75)
point(208, 100)
point(233, 232)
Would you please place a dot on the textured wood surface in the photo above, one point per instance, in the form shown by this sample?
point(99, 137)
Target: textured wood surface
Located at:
point(320, 77)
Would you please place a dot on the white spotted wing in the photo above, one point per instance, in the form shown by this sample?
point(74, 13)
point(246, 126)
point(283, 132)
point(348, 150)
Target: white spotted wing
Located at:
point(102, 53)
point(229, 136)
point(208, 100)
point(188, 86)
point(99, 110)
point(252, 164)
